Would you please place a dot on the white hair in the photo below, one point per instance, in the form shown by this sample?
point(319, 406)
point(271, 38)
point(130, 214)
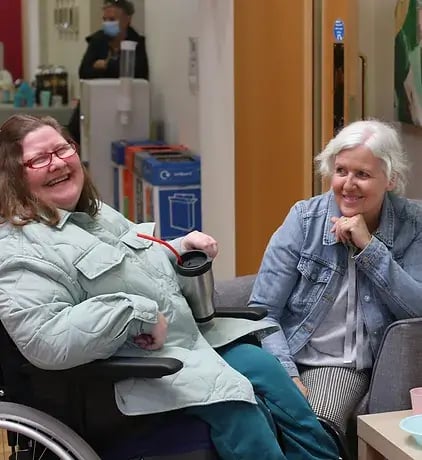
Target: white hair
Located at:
point(380, 138)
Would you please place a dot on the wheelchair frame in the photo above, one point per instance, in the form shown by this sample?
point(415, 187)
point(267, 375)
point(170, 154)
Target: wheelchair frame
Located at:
point(56, 436)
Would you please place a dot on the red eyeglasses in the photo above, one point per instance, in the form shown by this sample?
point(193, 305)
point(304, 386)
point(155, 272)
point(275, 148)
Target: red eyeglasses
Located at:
point(44, 159)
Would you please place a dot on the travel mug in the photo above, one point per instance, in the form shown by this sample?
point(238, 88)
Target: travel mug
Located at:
point(197, 282)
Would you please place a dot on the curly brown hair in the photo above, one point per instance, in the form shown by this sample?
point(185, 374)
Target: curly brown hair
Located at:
point(17, 204)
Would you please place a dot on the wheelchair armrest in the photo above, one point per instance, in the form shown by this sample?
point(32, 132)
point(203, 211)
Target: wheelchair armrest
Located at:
point(252, 313)
point(114, 369)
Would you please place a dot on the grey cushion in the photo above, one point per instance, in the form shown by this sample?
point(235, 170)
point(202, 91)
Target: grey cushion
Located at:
point(397, 367)
point(234, 292)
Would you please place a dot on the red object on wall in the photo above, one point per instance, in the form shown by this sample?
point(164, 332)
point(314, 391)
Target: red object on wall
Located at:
point(11, 36)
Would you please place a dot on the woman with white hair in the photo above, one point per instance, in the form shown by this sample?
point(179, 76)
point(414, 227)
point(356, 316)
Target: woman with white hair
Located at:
point(342, 267)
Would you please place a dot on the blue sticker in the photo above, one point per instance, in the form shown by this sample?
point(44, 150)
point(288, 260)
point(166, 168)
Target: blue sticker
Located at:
point(338, 30)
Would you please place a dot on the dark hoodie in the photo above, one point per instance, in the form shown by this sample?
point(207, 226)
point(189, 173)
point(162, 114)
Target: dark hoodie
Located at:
point(98, 48)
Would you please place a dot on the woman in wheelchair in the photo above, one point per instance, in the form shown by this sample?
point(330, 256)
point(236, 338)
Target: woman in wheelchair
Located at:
point(77, 285)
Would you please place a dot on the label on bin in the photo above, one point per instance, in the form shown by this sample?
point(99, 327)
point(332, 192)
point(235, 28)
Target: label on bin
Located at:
point(169, 170)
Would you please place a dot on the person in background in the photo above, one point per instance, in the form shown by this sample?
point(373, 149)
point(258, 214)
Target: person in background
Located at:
point(342, 267)
point(77, 284)
point(102, 56)
point(101, 59)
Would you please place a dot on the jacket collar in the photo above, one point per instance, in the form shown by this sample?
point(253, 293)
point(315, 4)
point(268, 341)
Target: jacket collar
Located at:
point(77, 217)
point(64, 217)
point(385, 231)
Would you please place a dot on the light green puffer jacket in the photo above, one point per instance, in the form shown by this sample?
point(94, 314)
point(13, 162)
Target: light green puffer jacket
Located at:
point(83, 289)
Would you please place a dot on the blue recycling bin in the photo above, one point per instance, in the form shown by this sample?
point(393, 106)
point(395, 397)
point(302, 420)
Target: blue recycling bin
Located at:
point(170, 194)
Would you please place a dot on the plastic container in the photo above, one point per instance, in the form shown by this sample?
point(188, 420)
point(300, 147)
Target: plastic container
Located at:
point(127, 58)
point(413, 426)
point(60, 83)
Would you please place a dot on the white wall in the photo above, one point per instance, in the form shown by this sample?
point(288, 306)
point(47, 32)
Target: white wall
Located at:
point(167, 28)
point(216, 115)
point(138, 19)
point(203, 119)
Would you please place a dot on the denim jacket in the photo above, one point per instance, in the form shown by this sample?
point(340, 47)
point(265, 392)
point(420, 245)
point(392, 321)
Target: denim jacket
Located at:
point(303, 267)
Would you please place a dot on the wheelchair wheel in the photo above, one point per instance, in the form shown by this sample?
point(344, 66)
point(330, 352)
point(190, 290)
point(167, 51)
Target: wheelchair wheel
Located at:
point(40, 436)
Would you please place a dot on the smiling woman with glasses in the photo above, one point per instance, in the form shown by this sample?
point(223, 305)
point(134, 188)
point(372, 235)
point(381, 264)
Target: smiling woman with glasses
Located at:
point(40, 173)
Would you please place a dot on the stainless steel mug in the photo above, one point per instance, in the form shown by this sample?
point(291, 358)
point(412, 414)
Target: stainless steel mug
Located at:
point(197, 282)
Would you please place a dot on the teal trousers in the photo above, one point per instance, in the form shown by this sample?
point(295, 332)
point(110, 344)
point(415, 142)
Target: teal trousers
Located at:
point(241, 431)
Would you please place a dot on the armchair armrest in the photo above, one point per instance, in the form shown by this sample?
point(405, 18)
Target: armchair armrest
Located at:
point(113, 369)
point(397, 368)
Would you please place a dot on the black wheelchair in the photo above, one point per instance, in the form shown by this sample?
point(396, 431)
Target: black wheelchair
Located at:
point(48, 414)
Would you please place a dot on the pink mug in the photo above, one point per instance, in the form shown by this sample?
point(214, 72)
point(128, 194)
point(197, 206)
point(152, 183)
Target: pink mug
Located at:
point(416, 398)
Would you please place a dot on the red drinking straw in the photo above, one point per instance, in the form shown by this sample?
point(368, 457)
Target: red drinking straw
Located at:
point(167, 245)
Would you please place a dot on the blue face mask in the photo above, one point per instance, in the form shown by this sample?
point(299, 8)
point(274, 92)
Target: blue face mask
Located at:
point(111, 28)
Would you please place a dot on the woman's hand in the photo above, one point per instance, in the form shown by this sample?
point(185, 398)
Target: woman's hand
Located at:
point(155, 340)
point(301, 386)
point(199, 240)
point(351, 230)
point(100, 64)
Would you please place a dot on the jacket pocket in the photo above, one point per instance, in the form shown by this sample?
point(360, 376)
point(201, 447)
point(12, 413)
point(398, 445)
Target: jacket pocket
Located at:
point(98, 260)
point(314, 271)
point(135, 242)
point(315, 276)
